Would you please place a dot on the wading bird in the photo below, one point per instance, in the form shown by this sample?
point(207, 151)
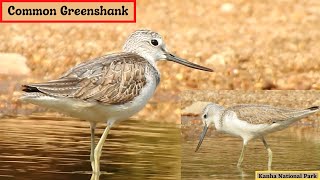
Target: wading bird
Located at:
point(251, 121)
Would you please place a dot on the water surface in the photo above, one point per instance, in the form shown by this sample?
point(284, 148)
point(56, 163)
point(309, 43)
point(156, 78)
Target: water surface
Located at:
point(43, 147)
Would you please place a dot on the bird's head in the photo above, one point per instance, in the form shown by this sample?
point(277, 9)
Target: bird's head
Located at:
point(150, 45)
point(210, 115)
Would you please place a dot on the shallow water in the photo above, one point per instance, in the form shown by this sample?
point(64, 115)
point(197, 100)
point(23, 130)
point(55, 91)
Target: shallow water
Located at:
point(58, 148)
point(295, 148)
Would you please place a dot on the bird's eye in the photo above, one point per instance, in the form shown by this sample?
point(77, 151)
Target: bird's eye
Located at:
point(154, 42)
point(205, 116)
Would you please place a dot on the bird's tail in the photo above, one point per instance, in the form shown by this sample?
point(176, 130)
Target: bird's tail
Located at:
point(304, 112)
point(314, 108)
point(311, 110)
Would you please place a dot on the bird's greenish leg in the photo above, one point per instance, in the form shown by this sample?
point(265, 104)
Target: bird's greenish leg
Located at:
point(241, 155)
point(92, 128)
point(269, 153)
point(98, 150)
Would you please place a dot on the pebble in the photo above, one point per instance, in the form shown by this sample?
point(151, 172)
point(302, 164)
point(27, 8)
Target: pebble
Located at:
point(13, 64)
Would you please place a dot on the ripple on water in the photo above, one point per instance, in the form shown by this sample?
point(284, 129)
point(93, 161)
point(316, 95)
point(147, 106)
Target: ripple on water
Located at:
point(295, 148)
point(58, 148)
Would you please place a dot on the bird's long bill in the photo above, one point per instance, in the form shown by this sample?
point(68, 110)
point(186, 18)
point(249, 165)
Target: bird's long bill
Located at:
point(171, 57)
point(203, 134)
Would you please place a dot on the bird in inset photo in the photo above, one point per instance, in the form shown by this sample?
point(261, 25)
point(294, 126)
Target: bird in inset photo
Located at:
point(251, 121)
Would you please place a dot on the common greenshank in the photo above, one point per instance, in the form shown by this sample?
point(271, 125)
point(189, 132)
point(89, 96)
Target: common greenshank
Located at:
point(251, 121)
point(109, 88)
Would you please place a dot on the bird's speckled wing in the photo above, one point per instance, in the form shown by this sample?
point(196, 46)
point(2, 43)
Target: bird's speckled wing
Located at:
point(265, 114)
point(112, 79)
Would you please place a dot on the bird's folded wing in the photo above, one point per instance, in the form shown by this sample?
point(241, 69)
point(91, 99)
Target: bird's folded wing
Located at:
point(265, 114)
point(112, 79)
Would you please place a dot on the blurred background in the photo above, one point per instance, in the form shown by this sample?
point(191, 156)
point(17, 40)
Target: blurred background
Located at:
point(250, 45)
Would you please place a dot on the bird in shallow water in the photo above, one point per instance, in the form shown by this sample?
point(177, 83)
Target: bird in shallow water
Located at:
point(251, 121)
point(109, 88)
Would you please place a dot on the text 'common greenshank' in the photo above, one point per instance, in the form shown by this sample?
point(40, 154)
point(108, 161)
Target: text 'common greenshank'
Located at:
point(250, 121)
point(108, 88)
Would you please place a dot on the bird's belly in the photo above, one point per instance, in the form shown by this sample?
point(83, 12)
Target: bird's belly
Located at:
point(245, 130)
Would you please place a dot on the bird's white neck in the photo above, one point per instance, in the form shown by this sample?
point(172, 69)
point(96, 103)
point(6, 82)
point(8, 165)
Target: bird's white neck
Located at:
point(216, 112)
point(216, 121)
point(147, 56)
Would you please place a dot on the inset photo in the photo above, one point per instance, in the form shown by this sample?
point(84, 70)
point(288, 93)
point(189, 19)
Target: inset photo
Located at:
point(230, 134)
